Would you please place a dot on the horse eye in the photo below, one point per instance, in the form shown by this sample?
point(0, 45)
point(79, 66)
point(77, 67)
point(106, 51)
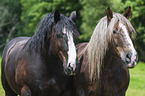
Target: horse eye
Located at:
point(114, 31)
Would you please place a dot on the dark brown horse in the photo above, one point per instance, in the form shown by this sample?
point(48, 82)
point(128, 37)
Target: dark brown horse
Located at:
point(106, 57)
point(42, 65)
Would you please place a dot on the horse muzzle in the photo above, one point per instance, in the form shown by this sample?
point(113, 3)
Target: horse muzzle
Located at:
point(71, 68)
point(131, 60)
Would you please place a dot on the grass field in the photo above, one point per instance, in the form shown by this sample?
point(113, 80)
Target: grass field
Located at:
point(1, 89)
point(137, 82)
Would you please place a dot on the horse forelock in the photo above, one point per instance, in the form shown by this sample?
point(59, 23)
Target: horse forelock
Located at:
point(98, 44)
point(126, 21)
point(66, 25)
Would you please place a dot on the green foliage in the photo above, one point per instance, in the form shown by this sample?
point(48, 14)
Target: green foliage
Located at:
point(9, 18)
point(32, 13)
point(93, 10)
point(39, 8)
point(117, 6)
point(1, 88)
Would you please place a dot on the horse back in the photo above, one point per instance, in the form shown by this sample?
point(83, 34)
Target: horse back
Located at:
point(11, 46)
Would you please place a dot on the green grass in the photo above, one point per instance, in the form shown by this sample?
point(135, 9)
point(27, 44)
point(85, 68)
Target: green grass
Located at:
point(1, 88)
point(137, 82)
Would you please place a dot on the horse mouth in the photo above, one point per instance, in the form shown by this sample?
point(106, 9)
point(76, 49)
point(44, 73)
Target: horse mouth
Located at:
point(71, 68)
point(69, 72)
point(131, 61)
point(130, 65)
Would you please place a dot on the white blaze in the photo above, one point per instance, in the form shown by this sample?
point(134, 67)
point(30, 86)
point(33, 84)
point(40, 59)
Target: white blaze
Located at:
point(127, 39)
point(71, 50)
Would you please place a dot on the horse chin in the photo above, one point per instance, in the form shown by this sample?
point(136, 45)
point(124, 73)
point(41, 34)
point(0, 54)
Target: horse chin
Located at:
point(131, 65)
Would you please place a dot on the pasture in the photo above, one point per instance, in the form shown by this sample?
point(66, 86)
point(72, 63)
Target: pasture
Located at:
point(137, 82)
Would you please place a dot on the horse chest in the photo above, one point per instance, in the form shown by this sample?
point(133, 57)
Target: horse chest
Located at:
point(40, 82)
point(48, 87)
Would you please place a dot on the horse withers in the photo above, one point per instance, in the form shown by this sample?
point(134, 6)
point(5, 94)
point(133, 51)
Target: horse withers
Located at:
point(42, 65)
point(105, 59)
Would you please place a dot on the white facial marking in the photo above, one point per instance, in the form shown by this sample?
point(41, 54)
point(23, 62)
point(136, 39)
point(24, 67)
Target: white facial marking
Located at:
point(71, 50)
point(64, 31)
point(130, 44)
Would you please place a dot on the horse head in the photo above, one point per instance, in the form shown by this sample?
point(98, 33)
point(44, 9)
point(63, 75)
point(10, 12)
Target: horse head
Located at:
point(62, 41)
point(121, 33)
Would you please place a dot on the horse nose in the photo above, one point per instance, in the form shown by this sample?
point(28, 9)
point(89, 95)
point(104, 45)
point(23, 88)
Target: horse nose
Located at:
point(71, 67)
point(128, 58)
point(131, 60)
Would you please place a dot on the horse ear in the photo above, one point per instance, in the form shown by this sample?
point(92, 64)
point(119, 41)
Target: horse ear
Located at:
point(73, 15)
point(127, 13)
point(109, 14)
point(56, 16)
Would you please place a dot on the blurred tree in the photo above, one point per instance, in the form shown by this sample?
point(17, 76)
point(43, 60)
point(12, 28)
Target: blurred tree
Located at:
point(9, 18)
point(35, 10)
point(92, 12)
point(117, 6)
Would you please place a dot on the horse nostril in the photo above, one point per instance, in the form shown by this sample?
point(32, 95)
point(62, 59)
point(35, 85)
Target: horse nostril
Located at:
point(69, 67)
point(128, 55)
point(128, 58)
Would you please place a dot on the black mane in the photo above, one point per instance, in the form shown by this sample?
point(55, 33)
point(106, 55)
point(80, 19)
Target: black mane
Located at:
point(43, 33)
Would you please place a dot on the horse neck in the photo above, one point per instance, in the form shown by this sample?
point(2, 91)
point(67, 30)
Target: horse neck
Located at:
point(37, 44)
point(53, 62)
point(108, 58)
point(111, 59)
